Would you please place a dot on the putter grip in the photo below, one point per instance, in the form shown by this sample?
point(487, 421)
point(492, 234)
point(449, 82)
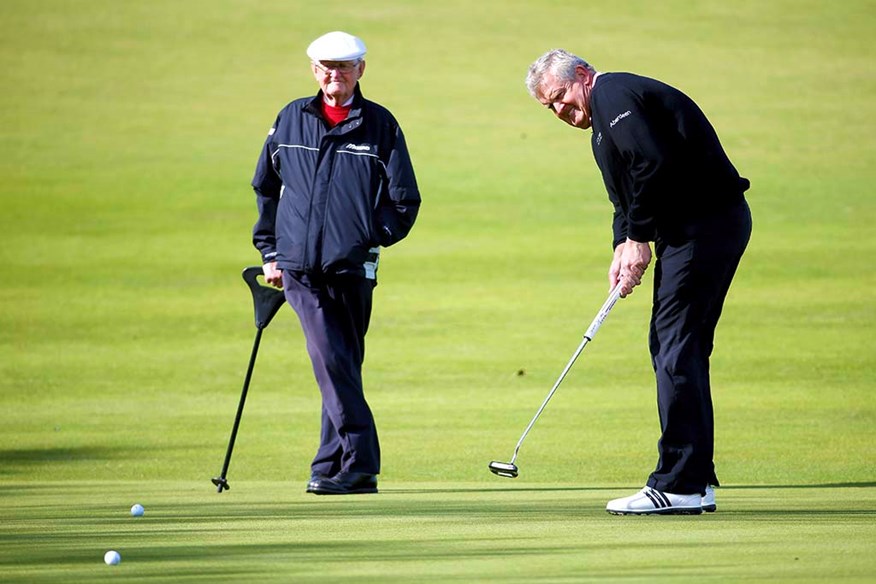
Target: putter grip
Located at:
point(603, 312)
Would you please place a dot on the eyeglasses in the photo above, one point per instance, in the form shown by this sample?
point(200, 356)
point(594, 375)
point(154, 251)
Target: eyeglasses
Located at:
point(340, 66)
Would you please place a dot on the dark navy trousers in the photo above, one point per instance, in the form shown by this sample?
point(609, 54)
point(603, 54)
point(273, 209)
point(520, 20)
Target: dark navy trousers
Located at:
point(692, 275)
point(334, 314)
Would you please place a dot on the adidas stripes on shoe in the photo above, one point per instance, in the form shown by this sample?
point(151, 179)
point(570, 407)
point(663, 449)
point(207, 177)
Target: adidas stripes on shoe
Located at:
point(650, 501)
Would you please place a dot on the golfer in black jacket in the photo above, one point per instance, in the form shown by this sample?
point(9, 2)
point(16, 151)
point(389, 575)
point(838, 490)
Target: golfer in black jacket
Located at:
point(672, 184)
point(334, 184)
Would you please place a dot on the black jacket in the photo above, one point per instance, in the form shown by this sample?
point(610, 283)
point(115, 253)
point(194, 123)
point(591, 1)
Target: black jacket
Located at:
point(328, 197)
point(660, 158)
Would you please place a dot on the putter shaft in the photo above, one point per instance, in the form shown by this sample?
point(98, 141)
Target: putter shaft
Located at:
point(588, 336)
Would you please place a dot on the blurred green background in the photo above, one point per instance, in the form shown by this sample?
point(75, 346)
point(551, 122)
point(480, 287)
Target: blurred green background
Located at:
point(129, 132)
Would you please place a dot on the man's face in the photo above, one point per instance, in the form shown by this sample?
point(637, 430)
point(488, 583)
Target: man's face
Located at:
point(568, 100)
point(337, 79)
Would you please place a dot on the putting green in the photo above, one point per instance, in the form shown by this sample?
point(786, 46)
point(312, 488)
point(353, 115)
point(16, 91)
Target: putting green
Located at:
point(129, 132)
point(411, 532)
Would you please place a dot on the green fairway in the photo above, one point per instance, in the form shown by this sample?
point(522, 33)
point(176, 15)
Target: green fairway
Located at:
point(129, 132)
point(423, 532)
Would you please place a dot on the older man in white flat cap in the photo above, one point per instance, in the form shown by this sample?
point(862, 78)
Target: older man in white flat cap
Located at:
point(334, 183)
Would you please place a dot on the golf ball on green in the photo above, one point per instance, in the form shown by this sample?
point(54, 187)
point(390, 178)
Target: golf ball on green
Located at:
point(111, 558)
point(137, 510)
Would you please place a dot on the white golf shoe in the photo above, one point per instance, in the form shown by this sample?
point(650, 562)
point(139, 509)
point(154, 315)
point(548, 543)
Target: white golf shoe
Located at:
point(650, 501)
point(709, 500)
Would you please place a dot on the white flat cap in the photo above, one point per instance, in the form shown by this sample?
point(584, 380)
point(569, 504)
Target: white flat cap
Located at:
point(336, 46)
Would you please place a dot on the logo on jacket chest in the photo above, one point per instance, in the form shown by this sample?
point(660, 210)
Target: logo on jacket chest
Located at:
point(620, 117)
point(359, 148)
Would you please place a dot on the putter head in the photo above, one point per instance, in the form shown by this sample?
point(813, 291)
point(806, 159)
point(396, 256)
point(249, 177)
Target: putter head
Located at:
point(221, 484)
point(504, 469)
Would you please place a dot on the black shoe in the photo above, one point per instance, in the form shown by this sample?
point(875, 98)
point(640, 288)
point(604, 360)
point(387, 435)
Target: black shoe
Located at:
point(314, 478)
point(345, 483)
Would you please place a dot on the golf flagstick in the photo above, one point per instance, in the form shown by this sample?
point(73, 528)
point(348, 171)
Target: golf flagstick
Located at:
point(266, 301)
point(509, 469)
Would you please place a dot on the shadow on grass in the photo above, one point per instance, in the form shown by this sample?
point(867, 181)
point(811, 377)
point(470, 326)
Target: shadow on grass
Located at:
point(546, 489)
point(21, 461)
point(862, 485)
point(204, 514)
point(509, 489)
point(807, 513)
point(292, 560)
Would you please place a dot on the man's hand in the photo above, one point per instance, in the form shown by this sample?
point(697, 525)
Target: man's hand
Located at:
point(273, 276)
point(630, 261)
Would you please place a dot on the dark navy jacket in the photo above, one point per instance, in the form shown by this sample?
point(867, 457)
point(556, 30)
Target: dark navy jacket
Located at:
point(660, 158)
point(329, 197)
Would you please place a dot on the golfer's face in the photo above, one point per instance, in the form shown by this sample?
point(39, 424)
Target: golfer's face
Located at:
point(337, 79)
point(566, 99)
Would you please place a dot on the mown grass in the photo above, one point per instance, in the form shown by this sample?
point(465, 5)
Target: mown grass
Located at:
point(466, 532)
point(128, 135)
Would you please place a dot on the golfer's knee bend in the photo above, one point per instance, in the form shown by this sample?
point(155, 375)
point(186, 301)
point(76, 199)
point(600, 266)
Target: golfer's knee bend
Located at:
point(682, 368)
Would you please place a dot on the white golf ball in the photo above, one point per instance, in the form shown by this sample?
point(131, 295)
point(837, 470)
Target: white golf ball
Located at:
point(137, 510)
point(111, 558)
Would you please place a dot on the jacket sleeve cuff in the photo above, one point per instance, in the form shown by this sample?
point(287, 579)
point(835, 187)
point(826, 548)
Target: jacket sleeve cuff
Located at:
point(642, 233)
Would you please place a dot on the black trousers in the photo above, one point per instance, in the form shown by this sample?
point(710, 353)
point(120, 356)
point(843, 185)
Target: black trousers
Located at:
point(691, 278)
point(334, 315)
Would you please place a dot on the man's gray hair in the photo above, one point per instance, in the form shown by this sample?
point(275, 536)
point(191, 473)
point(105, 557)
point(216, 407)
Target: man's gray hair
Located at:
point(560, 63)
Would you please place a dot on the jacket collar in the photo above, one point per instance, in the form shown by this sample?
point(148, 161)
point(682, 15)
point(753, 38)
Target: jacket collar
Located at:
point(355, 108)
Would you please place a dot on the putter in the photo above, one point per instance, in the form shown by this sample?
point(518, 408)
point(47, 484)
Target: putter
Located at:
point(267, 301)
point(509, 469)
